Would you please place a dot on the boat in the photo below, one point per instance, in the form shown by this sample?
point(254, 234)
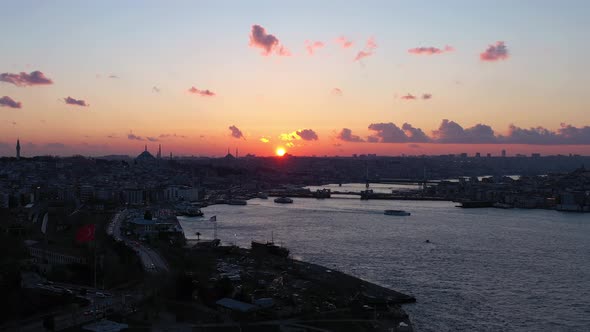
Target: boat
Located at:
point(269, 248)
point(192, 212)
point(396, 213)
point(237, 202)
point(475, 204)
point(283, 200)
point(262, 195)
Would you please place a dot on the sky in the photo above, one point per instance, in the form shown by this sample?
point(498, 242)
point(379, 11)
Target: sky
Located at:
point(313, 77)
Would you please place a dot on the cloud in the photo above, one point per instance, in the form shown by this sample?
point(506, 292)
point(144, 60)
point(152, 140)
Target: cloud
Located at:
point(307, 135)
point(415, 134)
point(408, 97)
point(370, 47)
point(414, 146)
point(426, 96)
point(202, 93)
point(301, 134)
point(265, 139)
point(24, 79)
point(152, 139)
point(336, 92)
point(373, 139)
point(235, 132)
point(9, 102)
point(113, 76)
point(430, 50)
point(312, 46)
point(344, 42)
point(390, 133)
point(112, 136)
point(171, 135)
point(347, 136)
point(78, 102)
point(267, 42)
point(495, 52)
point(452, 132)
point(155, 89)
point(132, 136)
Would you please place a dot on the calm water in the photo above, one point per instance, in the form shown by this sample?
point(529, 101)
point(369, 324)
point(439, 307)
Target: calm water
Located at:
point(484, 270)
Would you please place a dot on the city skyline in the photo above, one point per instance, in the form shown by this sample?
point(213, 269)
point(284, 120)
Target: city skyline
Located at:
point(313, 79)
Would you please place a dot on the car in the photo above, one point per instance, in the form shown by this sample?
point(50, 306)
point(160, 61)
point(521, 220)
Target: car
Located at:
point(101, 295)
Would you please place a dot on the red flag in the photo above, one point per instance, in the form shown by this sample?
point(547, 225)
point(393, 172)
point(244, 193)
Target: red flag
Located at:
point(85, 233)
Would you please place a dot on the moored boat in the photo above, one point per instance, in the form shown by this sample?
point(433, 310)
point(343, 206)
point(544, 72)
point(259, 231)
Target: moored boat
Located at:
point(237, 202)
point(283, 200)
point(396, 213)
point(269, 248)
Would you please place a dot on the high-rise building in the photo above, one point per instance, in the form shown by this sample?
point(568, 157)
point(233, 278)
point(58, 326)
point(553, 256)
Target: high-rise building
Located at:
point(17, 149)
point(503, 153)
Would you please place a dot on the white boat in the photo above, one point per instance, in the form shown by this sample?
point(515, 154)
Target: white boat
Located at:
point(283, 200)
point(396, 213)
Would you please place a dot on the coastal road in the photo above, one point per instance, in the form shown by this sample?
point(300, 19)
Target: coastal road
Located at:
point(151, 260)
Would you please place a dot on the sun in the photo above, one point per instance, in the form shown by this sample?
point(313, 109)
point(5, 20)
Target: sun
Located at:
point(280, 152)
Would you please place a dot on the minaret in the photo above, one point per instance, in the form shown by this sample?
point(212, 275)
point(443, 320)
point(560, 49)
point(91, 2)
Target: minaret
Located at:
point(18, 149)
point(146, 147)
point(236, 153)
point(160, 151)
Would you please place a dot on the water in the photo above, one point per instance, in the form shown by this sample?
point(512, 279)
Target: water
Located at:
point(483, 270)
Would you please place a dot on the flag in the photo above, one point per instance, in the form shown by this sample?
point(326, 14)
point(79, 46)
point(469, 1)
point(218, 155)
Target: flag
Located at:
point(214, 218)
point(85, 233)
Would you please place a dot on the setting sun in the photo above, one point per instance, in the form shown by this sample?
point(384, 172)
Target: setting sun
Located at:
point(280, 152)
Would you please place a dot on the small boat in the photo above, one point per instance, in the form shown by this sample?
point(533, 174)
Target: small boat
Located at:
point(283, 200)
point(192, 212)
point(396, 213)
point(269, 248)
point(237, 202)
point(262, 195)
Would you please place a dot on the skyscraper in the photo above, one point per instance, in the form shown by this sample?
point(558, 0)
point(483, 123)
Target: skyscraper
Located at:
point(18, 149)
point(503, 153)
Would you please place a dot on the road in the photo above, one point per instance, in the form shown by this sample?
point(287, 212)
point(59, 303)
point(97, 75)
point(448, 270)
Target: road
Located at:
point(151, 260)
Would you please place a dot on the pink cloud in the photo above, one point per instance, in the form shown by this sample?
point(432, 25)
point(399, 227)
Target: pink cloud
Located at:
point(345, 43)
point(236, 132)
point(9, 102)
point(24, 79)
point(267, 42)
point(495, 52)
point(426, 96)
point(408, 97)
point(76, 102)
point(368, 51)
point(202, 93)
point(430, 50)
point(312, 46)
point(336, 92)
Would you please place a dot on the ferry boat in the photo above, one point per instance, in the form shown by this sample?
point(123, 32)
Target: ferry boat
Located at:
point(396, 213)
point(283, 200)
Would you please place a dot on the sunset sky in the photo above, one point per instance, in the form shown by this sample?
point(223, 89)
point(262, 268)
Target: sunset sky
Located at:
point(313, 77)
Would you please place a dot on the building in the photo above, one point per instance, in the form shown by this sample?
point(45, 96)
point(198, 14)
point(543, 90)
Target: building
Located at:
point(46, 256)
point(18, 149)
point(503, 153)
point(133, 196)
point(145, 157)
point(153, 227)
